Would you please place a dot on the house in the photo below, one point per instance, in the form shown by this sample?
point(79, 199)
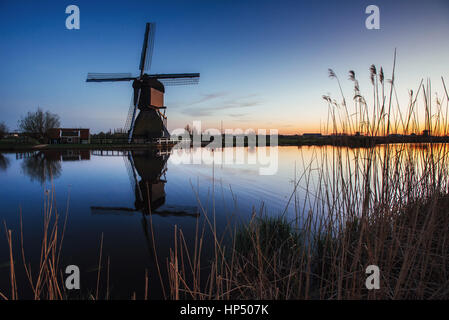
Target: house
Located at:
point(68, 135)
point(14, 134)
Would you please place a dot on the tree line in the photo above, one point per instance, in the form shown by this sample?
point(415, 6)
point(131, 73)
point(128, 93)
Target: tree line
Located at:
point(34, 124)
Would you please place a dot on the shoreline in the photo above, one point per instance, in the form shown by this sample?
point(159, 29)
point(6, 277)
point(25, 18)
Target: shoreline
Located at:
point(342, 141)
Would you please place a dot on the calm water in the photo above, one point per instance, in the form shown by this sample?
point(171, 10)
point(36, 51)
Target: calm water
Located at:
point(109, 195)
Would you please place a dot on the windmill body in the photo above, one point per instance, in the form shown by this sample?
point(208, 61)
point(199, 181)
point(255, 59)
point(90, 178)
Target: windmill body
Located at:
point(146, 116)
point(150, 120)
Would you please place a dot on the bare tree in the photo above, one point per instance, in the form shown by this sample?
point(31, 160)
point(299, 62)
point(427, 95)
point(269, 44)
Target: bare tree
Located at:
point(37, 123)
point(188, 129)
point(3, 129)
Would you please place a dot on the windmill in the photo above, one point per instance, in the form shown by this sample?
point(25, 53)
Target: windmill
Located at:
point(148, 95)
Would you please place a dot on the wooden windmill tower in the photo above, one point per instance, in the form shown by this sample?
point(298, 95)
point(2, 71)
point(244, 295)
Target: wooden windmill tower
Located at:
point(148, 95)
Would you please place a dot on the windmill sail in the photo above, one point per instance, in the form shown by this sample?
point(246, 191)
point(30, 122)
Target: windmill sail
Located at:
point(109, 77)
point(133, 116)
point(177, 79)
point(130, 114)
point(179, 82)
point(147, 48)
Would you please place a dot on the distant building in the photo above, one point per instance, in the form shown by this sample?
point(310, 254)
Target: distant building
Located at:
point(68, 135)
point(311, 135)
point(14, 134)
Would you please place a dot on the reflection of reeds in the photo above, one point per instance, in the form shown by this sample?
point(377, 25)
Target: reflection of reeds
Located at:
point(385, 206)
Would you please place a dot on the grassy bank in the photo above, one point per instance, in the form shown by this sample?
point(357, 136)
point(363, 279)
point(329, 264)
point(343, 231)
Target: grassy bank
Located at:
point(37, 147)
point(294, 140)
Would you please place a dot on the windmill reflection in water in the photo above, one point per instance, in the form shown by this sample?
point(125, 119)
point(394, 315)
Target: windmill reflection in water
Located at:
point(147, 174)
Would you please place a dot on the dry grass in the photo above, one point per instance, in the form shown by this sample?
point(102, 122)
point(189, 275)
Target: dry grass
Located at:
point(45, 281)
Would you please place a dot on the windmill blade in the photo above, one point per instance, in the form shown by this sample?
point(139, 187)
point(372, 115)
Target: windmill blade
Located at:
point(112, 210)
point(134, 173)
point(109, 77)
point(178, 211)
point(133, 116)
point(130, 171)
point(147, 48)
point(166, 133)
point(127, 126)
point(178, 82)
point(177, 79)
point(174, 75)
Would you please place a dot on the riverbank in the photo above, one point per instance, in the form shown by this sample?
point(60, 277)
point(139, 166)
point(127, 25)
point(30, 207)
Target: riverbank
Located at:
point(348, 141)
point(25, 148)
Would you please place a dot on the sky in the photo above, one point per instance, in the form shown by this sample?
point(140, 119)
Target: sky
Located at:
point(263, 64)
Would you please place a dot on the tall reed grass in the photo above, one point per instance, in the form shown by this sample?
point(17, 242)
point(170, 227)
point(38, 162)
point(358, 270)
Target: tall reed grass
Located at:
point(45, 280)
point(386, 206)
point(382, 113)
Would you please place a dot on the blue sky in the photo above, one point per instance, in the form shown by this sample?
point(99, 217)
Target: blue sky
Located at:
point(263, 64)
